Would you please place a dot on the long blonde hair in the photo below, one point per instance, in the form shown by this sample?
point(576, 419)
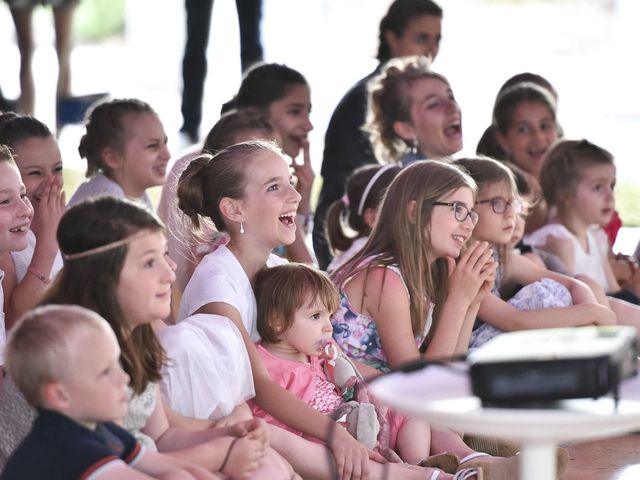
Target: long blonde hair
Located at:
point(403, 238)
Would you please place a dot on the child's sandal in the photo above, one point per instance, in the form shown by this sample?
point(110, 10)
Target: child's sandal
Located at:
point(447, 462)
point(509, 467)
point(501, 468)
point(464, 474)
point(469, 474)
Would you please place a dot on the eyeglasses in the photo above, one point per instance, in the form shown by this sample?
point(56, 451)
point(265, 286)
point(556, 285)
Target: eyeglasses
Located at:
point(499, 204)
point(460, 211)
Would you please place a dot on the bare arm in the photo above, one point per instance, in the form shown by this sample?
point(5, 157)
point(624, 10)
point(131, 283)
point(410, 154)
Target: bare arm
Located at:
point(485, 290)
point(298, 250)
point(47, 212)
point(351, 456)
point(157, 465)
point(187, 423)
point(386, 301)
point(524, 272)
point(563, 249)
point(204, 447)
point(585, 311)
point(500, 314)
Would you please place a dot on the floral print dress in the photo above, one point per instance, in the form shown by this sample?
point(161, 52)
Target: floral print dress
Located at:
point(357, 334)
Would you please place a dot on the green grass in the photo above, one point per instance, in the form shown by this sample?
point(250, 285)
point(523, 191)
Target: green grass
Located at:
point(96, 20)
point(628, 203)
point(72, 179)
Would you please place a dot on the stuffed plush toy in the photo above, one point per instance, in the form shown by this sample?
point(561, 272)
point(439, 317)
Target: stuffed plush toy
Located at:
point(363, 417)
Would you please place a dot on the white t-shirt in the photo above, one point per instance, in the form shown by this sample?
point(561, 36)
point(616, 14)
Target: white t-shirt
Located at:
point(99, 185)
point(219, 277)
point(209, 372)
point(22, 259)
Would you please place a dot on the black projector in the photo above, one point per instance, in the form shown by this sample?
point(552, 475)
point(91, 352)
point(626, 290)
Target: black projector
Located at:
point(518, 369)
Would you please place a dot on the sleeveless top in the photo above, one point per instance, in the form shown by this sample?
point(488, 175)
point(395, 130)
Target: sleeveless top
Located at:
point(587, 262)
point(357, 334)
point(140, 409)
point(16, 419)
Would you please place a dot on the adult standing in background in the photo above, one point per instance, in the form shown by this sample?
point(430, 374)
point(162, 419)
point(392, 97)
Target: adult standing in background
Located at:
point(194, 62)
point(410, 27)
point(69, 109)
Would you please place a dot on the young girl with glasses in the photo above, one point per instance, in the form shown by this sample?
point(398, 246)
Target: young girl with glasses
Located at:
point(414, 289)
point(404, 288)
point(548, 299)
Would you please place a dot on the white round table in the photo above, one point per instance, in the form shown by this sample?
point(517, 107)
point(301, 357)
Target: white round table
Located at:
point(442, 396)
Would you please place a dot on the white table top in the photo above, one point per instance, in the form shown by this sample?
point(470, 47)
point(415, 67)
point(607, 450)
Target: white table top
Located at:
point(443, 397)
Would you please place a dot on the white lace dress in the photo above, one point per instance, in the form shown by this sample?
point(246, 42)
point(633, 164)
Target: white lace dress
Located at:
point(140, 409)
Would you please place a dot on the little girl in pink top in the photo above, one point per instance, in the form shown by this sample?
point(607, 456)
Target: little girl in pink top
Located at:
point(294, 305)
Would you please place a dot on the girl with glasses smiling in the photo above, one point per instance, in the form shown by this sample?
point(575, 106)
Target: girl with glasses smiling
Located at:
point(547, 299)
point(414, 289)
point(404, 289)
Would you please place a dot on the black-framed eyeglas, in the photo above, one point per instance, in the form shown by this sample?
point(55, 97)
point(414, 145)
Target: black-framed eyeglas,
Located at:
point(499, 204)
point(460, 211)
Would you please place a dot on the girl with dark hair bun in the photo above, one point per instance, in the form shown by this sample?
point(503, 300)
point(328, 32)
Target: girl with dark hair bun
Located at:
point(235, 126)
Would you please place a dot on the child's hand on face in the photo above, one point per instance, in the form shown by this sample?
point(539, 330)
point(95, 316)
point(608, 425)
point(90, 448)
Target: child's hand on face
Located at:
point(244, 457)
point(473, 269)
point(48, 205)
point(304, 174)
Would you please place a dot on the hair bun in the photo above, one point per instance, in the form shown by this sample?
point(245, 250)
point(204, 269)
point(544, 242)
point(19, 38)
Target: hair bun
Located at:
point(190, 188)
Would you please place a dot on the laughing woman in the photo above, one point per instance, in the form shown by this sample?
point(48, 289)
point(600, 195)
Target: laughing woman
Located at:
point(412, 113)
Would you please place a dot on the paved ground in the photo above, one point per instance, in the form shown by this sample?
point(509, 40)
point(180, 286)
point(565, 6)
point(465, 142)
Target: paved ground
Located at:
point(583, 47)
